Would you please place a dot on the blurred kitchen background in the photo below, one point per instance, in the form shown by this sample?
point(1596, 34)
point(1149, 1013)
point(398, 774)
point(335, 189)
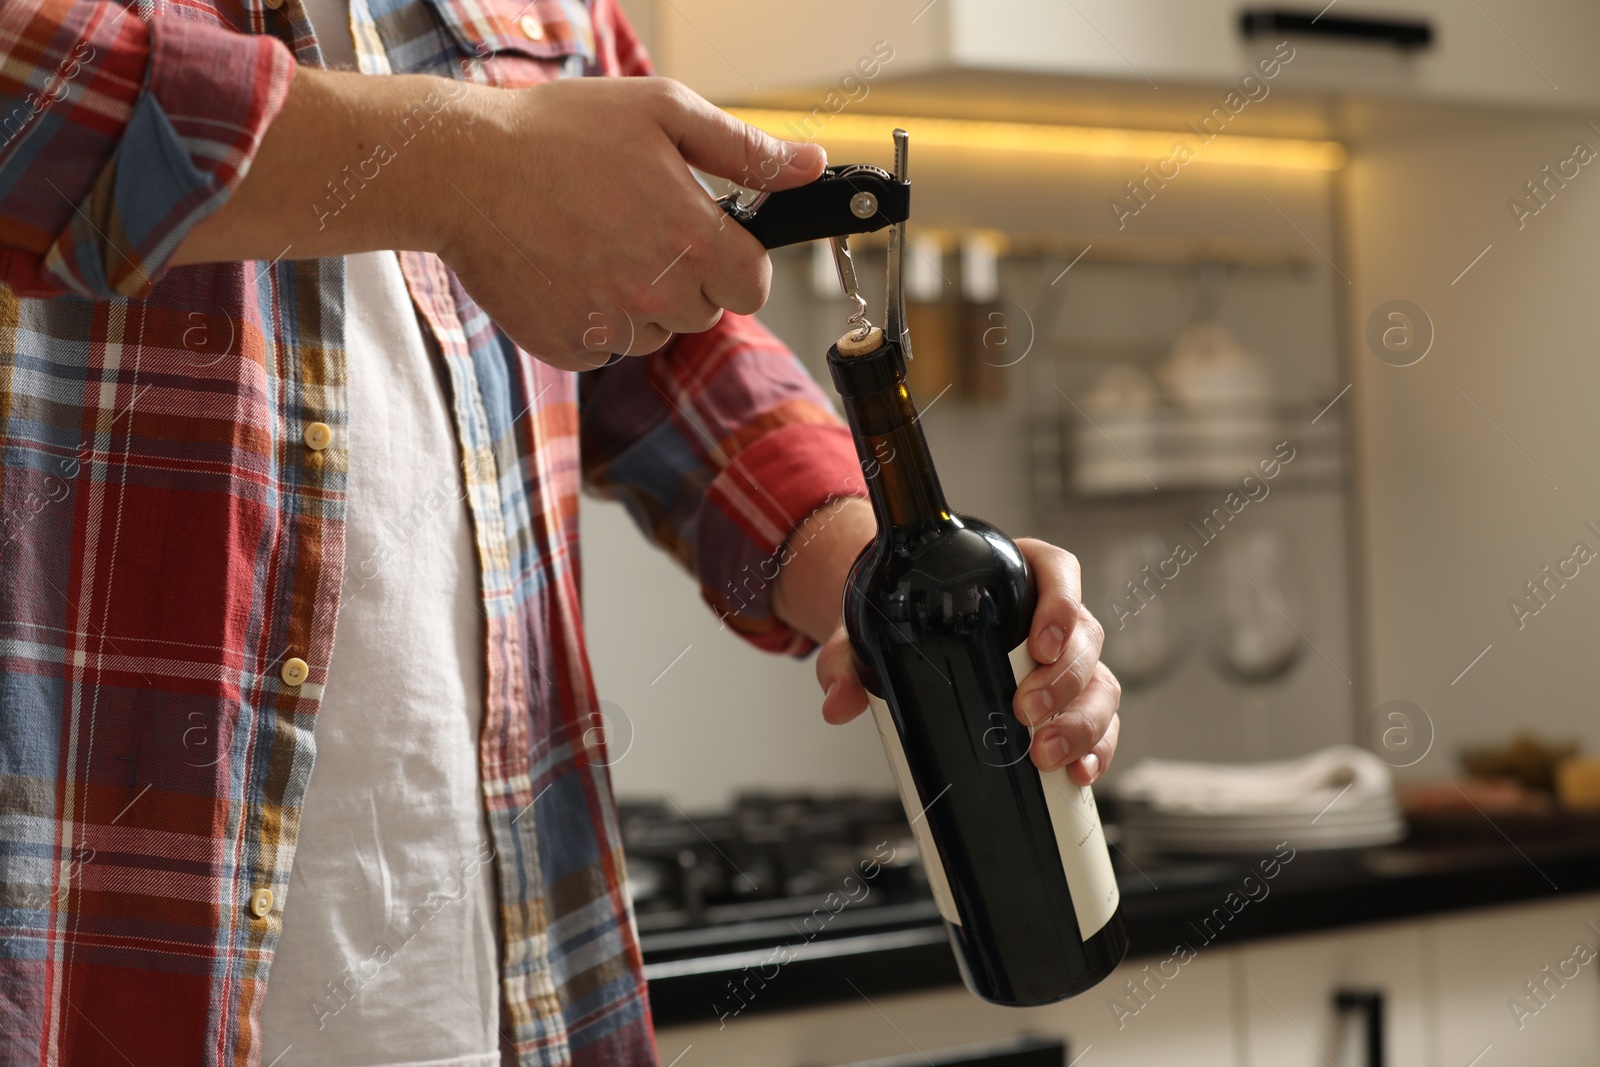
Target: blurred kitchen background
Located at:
point(1345, 354)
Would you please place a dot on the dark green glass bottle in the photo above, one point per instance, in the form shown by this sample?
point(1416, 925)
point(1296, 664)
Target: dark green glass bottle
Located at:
point(938, 609)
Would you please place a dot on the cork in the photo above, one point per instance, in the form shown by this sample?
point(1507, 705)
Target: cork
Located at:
point(852, 345)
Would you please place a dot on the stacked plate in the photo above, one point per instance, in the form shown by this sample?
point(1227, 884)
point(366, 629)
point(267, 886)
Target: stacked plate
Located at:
point(1341, 797)
point(1361, 824)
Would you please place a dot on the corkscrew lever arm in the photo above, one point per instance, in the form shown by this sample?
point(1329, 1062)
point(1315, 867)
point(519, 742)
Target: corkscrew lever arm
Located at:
point(894, 298)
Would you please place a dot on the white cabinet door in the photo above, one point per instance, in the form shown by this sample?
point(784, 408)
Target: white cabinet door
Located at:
point(1514, 987)
point(1186, 1019)
point(1161, 1010)
point(1287, 991)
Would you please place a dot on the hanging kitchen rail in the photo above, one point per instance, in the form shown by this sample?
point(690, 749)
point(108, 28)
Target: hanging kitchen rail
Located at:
point(1131, 251)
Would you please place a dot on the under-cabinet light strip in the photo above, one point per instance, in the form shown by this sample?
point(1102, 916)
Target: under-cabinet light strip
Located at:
point(1199, 144)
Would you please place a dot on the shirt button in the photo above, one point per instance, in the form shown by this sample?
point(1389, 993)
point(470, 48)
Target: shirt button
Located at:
point(318, 435)
point(532, 28)
point(295, 671)
point(261, 903)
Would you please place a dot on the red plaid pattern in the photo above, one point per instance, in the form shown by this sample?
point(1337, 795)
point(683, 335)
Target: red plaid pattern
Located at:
point(168, 544)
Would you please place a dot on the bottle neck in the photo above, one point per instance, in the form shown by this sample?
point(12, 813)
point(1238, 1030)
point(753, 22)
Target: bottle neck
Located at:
point(901, 480)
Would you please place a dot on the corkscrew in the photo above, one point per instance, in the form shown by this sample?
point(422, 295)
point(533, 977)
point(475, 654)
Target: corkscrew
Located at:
point(849, 199)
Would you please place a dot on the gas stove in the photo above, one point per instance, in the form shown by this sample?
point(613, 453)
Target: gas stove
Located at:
point(771, 856)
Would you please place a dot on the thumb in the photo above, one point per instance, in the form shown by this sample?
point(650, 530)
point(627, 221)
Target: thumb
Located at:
point(843, 695)
point(714, 141)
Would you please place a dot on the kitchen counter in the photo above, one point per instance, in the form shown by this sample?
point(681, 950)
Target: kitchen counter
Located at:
point(894, 948)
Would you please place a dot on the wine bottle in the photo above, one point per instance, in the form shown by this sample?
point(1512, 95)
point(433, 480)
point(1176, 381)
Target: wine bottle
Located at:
point(938, 609)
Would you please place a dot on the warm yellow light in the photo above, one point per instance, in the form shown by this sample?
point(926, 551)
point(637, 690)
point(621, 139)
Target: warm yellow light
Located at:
point(1039, 138)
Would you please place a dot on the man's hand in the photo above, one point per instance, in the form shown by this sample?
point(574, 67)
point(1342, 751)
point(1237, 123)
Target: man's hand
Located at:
point(625, 247)
point(568, 210)
point(1071, 697)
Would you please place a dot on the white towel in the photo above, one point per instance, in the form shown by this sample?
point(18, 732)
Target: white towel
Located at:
point(1305, 784)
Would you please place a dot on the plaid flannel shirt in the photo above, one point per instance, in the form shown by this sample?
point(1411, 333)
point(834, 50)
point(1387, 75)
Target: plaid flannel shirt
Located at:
point(172, 550)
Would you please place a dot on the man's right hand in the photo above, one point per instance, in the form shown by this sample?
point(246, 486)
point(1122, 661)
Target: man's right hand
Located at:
point(590, 236)
point(567, 210)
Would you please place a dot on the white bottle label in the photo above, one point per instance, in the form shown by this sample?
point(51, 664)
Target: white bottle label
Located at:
point(932, 862)
point(1085, 856)
point(1073, 813)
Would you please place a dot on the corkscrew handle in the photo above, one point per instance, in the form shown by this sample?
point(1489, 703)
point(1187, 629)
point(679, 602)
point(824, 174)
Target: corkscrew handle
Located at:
point(854, 198)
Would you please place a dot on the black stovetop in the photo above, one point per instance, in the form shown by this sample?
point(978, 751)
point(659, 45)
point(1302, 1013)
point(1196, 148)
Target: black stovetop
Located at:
point(717, 893)
point(771, 857)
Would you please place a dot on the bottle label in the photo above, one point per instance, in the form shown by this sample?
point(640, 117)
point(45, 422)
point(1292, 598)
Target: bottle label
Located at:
point(1085, 856)
point(932, 862)
point(1081, 840)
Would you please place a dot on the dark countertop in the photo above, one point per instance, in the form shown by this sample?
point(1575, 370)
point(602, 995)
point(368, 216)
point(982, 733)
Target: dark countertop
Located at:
point(865, 949)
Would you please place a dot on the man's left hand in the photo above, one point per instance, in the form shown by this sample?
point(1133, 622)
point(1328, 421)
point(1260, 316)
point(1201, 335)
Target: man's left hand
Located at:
point(1071, 698)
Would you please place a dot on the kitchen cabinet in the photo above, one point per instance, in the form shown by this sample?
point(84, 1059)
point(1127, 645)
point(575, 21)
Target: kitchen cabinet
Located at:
point(1447, 986)
point(1484, 963)
point(1445, 983)
point(1287, 988)
point(1497, 52)
point(1187, 1019)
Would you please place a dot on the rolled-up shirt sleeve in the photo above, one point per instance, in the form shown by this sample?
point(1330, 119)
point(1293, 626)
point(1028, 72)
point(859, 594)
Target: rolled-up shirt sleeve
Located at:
point(118, 135)
point(725, 451)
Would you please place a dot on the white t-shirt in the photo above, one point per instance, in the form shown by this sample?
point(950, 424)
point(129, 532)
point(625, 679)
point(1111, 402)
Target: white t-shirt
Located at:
point(390, 931)
point(331, 20)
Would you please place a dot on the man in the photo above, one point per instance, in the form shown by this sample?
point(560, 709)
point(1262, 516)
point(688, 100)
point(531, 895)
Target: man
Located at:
point(290, 437)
